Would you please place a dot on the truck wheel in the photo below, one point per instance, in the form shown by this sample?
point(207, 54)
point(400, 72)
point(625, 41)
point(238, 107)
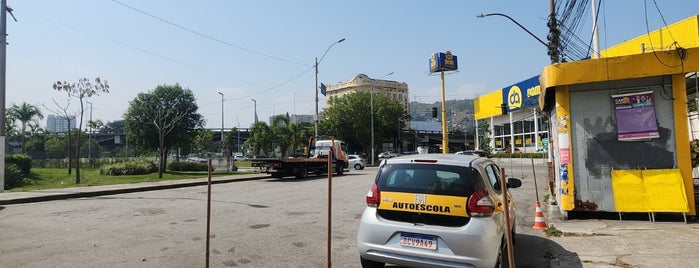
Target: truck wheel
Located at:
point(276, 175)
point(339, 169)
point(302, 173)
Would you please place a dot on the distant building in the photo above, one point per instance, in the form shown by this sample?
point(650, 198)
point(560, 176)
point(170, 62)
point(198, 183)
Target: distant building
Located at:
point(362, 83)
point(59, 124)
point(295, 118)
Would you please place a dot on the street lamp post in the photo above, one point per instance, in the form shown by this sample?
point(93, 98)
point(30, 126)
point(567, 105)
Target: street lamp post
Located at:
point(316, 67)
point(223, 143)
point(513, 20)
point(255, 102)
point(371, 101)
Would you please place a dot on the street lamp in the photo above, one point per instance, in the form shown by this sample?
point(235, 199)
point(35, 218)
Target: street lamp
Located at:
point(255, 101)
point(316, 67)
point(513, 20)
point(223, 144)
point(371, 98)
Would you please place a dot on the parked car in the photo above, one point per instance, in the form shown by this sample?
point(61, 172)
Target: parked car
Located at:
point(508, 150)
point(197, 159)
point(474, 152)
point(240, 158)
point(356, 161)
point(387, 154)
point(440, 210)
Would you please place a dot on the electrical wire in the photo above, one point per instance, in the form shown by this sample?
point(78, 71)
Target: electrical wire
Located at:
point(208, 36)
point(679, 49)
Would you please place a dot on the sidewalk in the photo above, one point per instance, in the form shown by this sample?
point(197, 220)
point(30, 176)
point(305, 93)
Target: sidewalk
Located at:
point(7, 197)
point(626, 243)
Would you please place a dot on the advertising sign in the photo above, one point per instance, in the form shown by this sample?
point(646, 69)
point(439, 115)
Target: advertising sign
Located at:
point(635, 116)
point(440, 62)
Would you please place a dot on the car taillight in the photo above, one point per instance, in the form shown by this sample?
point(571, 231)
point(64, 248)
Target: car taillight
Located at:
point(480, 204)
point(373, 197)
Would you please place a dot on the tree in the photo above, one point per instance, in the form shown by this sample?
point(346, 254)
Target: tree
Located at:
point(55, 147)
point(25, 113)
point(348, 118)
point(299, 134)
point(260, 138)
point(81, 90)
point(163, 118)
point(280, 133)
point(113, 127)
point(484, 136)
point(202, 140)
point(63, 112)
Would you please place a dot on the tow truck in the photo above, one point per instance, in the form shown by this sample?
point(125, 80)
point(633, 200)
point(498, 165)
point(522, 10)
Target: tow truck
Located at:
point(315, 160)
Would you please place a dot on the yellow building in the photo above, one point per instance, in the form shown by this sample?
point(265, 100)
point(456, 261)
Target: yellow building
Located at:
point(617, 127)
point(620, 124)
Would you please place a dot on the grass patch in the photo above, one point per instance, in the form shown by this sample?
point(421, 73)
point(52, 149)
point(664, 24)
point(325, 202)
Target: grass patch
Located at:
point(55, 178)
point(553, 231)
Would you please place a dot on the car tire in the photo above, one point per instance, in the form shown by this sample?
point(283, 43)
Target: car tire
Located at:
point(358, 166)
point(371, 264)
point(503, 257)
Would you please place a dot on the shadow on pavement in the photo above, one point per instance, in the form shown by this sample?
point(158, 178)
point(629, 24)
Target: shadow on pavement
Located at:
point(535, 252)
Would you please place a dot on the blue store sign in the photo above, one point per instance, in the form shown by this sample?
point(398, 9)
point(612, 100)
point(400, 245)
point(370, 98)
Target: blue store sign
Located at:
point(521, 95)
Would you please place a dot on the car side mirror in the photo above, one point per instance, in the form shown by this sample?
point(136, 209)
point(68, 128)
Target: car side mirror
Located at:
point(514, 183)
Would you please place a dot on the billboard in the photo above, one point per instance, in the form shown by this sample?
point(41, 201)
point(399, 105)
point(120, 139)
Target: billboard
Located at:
point(440, 62)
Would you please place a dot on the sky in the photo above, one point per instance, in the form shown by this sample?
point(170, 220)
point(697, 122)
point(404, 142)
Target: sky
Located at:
point(266, 50)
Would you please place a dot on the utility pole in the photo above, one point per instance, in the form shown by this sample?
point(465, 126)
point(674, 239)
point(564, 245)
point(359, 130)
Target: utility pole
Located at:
point(4, 9)
point(554, 34)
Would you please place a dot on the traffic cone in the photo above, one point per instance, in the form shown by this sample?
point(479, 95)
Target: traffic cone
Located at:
point(539, 222)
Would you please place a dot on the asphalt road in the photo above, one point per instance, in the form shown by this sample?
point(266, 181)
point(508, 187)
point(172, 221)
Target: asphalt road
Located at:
point(261, 223)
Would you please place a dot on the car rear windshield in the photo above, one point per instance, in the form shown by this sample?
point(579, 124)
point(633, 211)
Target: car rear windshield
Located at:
point(424, 178)
point(433, 179)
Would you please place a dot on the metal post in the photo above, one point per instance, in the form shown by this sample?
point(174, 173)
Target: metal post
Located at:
point(445, 135)
point(371, 101)
point(3, 54)
point(255, 102)
point(223, 143)
point(315, 119)
point(316, 68)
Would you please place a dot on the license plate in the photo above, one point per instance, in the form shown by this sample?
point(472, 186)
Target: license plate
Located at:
point(418, 241)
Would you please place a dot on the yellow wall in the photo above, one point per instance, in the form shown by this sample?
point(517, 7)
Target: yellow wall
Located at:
point(618, 68)
point(684, 32)
point(488, 105)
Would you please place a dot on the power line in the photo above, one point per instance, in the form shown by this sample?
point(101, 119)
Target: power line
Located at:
point(208, 36)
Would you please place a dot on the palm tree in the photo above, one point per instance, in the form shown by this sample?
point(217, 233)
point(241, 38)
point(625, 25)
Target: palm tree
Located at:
point(260, 138)
point(280, 133)
point(25, 113)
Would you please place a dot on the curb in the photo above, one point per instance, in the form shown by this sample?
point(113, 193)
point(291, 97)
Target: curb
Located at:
point(87, 192)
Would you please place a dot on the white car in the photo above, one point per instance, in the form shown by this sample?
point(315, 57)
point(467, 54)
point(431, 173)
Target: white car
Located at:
point(387, 154)
point(356, 161)
point(436, 210)
point(240, 158)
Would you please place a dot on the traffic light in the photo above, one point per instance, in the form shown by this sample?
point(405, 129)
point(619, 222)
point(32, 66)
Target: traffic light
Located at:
point(503, 108)
point(434, 112)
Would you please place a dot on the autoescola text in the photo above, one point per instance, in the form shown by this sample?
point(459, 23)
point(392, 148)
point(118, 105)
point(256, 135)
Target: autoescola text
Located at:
point(421, 207)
